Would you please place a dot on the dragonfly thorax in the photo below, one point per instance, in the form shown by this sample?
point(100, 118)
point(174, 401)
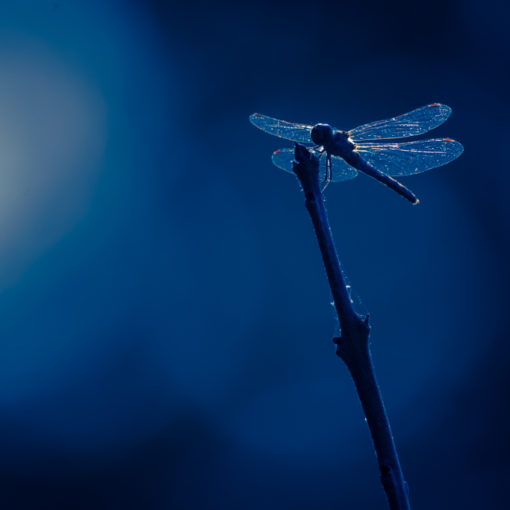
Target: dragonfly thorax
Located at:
point(322, 134)
point(341, 144)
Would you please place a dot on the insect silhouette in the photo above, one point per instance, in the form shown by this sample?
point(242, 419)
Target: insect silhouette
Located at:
point(343, 154)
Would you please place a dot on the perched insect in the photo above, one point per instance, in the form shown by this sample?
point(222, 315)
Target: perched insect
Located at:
point(343, 153)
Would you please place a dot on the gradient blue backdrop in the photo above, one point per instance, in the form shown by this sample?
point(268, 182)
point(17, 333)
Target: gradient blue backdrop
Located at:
point(165, 326)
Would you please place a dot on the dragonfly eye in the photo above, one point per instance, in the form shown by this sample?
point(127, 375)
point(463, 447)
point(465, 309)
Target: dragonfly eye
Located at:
point(321, 134)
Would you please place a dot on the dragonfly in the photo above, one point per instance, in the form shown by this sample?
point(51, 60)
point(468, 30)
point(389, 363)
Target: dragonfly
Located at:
point(369, 148)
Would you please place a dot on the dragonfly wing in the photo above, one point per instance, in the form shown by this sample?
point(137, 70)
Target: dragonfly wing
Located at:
point(340, 170)
point(283, 129)
point(409, 158)
point(414, 123)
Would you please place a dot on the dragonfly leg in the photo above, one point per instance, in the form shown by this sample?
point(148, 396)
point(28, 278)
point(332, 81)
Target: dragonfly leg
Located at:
point(318, 150)
point(328, 176)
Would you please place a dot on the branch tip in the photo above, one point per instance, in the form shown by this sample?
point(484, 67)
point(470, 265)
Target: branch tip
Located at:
point(306, 168)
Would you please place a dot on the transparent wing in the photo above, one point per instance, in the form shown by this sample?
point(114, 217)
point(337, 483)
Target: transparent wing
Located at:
point(409, 158)
point(340, 170)
point(414, 123)
point(283, 129)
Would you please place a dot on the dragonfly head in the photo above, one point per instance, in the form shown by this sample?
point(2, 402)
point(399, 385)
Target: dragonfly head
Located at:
point(321, 134)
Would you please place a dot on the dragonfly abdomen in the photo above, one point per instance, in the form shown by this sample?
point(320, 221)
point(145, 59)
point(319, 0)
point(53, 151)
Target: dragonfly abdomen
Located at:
point(356, 161)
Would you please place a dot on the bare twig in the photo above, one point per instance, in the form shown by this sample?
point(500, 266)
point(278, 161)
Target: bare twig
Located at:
point(353, 346)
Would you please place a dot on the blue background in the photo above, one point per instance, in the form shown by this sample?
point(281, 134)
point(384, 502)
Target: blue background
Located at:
point(165, 325)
